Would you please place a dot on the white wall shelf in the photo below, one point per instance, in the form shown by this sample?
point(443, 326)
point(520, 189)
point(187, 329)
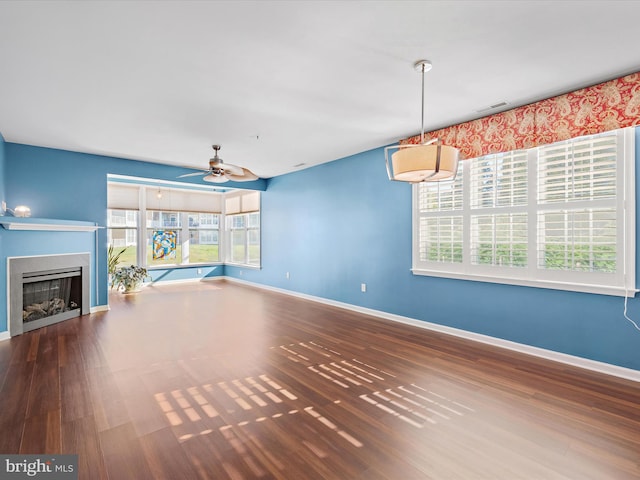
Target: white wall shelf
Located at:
point(47, 224)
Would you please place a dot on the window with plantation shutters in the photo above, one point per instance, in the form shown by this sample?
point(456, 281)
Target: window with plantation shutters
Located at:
point(579, 169)
point(498, 198)
point(557, 216)
point(578, 196)
point(440, 221)
point(499, 180)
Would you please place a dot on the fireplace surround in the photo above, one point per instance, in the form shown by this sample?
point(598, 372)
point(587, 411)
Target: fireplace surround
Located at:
point(47, 289)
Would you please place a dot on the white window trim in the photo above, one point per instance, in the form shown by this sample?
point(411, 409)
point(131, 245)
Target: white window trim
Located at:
point(229, 231)
point(530, 276)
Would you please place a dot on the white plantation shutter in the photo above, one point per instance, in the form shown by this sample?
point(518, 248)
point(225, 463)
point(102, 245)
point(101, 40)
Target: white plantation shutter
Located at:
point(577, 182)
point(499, 180)
point(439, 232)
point(499, 195)
point(557, 216)
point(579, 240)
point(581, 169)
point(441, 239)
point(499, 239)
point(440, 196)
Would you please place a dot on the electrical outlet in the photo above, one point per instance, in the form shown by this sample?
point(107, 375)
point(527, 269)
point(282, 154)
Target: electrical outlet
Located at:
point(240, 272)
point(287, 275)
point(199, 271)
point(363, 287)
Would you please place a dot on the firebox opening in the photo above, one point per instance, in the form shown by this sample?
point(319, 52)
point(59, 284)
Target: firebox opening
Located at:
point(45, 295)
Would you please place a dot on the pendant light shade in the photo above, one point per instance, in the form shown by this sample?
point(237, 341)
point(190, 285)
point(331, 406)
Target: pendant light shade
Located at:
point(427, 162)
point(424, 163)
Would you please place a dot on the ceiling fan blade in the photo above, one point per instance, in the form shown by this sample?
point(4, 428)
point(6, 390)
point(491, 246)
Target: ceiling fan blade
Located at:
point(215, 178)
point(232, 169)
point(247, 176)
point(193, 174)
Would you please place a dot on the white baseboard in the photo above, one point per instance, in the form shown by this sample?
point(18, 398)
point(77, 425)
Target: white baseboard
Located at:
point(593, 365)
point(184, 280)
point(5, 335)
point(99, 308)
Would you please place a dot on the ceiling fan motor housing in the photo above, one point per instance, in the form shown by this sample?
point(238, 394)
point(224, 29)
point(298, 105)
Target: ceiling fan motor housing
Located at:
point(216, 161)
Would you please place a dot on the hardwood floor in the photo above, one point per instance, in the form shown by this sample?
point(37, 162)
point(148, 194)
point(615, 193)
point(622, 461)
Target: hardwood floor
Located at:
point(217, 380)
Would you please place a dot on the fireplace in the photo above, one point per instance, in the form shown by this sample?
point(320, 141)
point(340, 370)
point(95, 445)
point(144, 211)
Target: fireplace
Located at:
point(47, 289)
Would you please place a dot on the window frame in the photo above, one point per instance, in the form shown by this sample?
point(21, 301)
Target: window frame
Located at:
point(126, 228)
point(246, 228)
point(143, 198)
point(620, 283)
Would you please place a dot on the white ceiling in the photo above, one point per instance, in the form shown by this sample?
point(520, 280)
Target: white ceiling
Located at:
point(279, 83)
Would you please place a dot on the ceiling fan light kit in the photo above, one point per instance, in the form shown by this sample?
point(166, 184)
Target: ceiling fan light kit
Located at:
point(427, 162)
point(220, 172)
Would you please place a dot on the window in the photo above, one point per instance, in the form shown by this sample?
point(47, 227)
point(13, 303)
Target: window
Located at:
point(244, 238)
point(243, 228)
point(440, 223)
point(167, 225)
point(552, 216)
point(498, 191)
point(195, 235)
point(122, 228)
point(147, 218)
point(203, 237)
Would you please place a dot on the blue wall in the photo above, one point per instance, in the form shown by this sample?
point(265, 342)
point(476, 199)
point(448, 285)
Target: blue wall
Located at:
point(344, 223)
point(332, 228)
point(65, 185)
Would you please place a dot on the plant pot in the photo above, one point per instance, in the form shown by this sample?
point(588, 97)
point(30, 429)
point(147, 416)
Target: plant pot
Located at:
point(134, 288)
point(130, 279)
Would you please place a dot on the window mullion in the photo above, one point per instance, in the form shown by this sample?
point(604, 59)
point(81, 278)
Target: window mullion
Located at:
point(186, 238)
point(141, 249)
point(569, 239)
point(246, 238)
point(532, 212)
point(466, 216)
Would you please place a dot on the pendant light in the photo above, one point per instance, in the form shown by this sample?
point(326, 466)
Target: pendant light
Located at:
point(427, 162)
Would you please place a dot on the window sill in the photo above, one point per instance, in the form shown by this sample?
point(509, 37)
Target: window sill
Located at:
point(189, 265)
point(243, 265)
point(523, 282)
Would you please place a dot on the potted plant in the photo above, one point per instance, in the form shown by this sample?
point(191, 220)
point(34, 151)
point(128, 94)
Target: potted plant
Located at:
point(130, 278)
point(113, 258)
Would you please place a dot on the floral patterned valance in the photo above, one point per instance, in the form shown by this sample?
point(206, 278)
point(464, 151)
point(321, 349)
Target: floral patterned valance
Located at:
point(600, 108)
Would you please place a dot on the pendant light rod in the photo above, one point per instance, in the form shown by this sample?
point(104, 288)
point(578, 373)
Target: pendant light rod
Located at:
point(422, 66)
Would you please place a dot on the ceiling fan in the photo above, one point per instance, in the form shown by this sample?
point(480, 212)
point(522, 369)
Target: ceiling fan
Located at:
point(220, 172)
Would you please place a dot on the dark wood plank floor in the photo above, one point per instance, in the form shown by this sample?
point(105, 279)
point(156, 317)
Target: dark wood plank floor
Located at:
point(217, 380)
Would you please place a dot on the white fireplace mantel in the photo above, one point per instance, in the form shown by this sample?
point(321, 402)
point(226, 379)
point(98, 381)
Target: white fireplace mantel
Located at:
point(48, 224)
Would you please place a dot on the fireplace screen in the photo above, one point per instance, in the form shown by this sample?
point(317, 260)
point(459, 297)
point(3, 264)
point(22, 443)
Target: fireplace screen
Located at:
point(47, 289)
point(48, 297)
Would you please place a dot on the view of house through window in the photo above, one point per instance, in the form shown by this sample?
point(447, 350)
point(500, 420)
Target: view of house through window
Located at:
point(122, 233)
point(182, 227)
point(244, 232)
